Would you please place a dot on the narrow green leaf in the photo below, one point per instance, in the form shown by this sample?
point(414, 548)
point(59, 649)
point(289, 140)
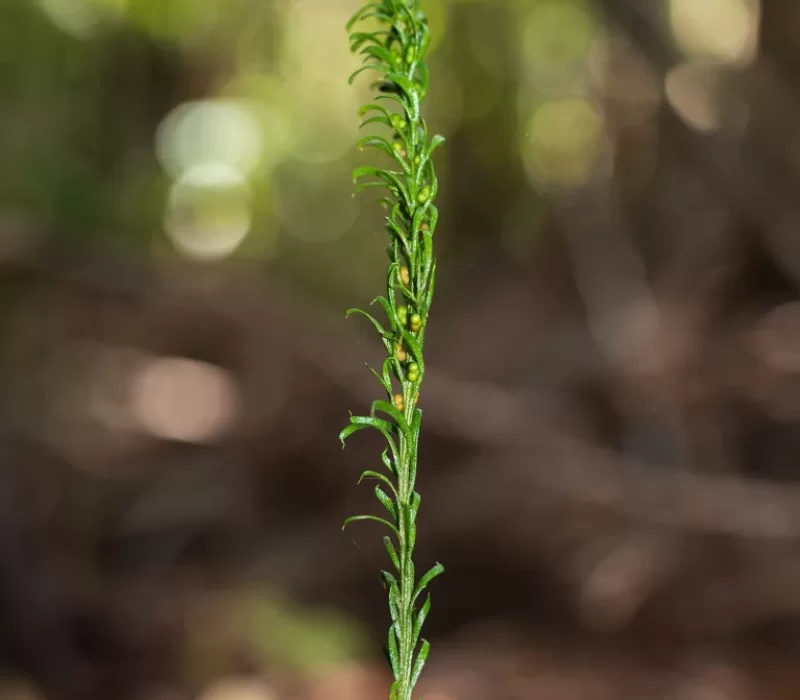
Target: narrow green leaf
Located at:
point(373, 10)
point(378, 142)
point(423, 36)
point(408, 294)
point(419, 217)
point(392, 552)
point(419, 664)
point(357, 16)
point(358, 39)
point(434, 218)
point(386, 385)
point(372, 107)
point(410, 19)
point(422, 131)
point(424, 77)
point(434, 182)
point(419, 620)
point(388, 579)
point(379, 53)
point(400, 33)
point(412, 344)
point(392, 275)
point(386, 502)
point(412, 469)
point(374, 518)
point(388, 365)
point(429, 285)
point(387, 462)
point(361, 186)
point(416, 424)
point(392, 271)
point(436, 141)
point(382, 426)
point(429, 259)
point(377, 476)
point(406, 84)
point(397, 221)
point(411, 91)
point(388, 309)
point(427, 247)
point(393, 251)
point(381, 16)
point(397, 232)
point(391, 410)
point(348, 430)
point(410, 527)
point(362, 422)
point(377, 119)
point(410, 116)
point(366, 171)
point(415, 501)
point(394, 594)
point(388, 176)
point(394, 656)
point(363, 69)
point(416, 419)
point(393, 178)
point(436, 570)
point(378, 327)
point(372, 61)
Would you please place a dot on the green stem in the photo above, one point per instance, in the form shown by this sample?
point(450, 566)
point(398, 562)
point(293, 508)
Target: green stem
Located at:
point(406, 584)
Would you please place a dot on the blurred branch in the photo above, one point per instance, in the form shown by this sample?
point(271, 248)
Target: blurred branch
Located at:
point(523, 435)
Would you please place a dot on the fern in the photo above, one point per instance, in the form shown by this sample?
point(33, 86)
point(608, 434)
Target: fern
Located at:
point(396, 52)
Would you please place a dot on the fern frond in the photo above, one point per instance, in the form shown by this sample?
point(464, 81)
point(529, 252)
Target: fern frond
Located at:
point(396, 52)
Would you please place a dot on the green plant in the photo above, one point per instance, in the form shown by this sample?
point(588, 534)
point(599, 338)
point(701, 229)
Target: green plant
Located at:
point(397, 51)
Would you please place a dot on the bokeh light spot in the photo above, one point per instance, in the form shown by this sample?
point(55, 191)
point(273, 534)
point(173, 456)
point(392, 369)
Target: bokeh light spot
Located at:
point(176, 19)
point(212, 131)
point(691, 89)
point(564, 141)
point(178, 398)
point(238, 689)
point(209, 212)
point(268, 102)
point(722, 30)
point(557, 38)
point(79, 18)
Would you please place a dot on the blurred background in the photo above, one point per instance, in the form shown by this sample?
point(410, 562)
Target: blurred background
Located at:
point(609, 465)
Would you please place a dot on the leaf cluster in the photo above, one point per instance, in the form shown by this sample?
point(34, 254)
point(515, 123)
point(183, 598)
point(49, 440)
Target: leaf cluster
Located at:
point(396, 51)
